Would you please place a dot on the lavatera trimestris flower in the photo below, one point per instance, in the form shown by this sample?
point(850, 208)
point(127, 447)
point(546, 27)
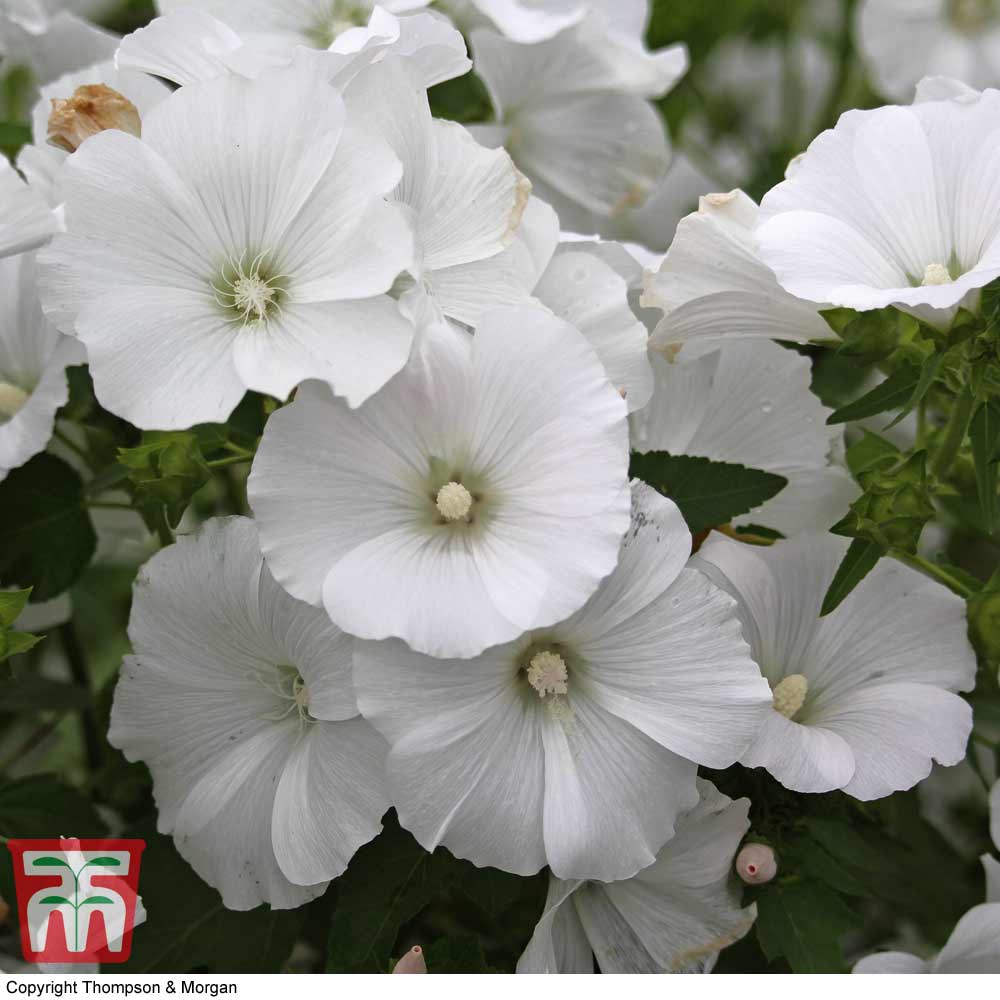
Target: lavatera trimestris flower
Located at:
point(481, 493)
point(575, 746)
point(239, 699)
point(244, 242)
point(674, 916)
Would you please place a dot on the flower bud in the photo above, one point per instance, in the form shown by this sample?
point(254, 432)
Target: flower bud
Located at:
point(412, 961)
point(756, 864)
point(93, 108)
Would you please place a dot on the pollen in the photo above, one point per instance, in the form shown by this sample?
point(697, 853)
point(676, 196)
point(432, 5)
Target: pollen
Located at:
point(249, 291)
point(454, 502)
point(251, 297)
point(936, 274)
point(300, 694)
point(12, 398)
point(790, 695)
point(547, 673)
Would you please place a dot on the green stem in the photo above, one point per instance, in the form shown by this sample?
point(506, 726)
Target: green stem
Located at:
point(163, 531)
point(221, 463)
point(936, 572)
point(954, 434)
point(109, 505)
point(835, 96)
point(81, 677)
point(237, 450)
point(65, 439)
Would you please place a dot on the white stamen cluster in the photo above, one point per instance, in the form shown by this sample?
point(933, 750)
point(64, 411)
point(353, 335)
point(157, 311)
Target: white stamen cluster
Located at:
point(454, 502)
point(936, 274)
point(249, 293)
point(790, 695)
point(12, 398)
point(547, 673)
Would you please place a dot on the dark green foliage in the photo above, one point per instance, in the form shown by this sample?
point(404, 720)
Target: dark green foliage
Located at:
point(708, 493)
point(46, 538)
point(395, 895)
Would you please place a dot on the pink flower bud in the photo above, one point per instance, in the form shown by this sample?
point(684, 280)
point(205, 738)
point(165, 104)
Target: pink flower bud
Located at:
point(756, 864)
point(412, 961)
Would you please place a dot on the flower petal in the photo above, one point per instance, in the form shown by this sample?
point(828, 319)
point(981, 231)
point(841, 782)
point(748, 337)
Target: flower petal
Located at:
point(612, 795)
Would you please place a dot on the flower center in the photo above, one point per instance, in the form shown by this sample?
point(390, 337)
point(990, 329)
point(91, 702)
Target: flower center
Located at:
point(340, 16)
point(453, 502)
point(547, 673)
point(790, 695)
point(288, 686)
point(249, 291)
point(12, 398)
point(936, 274)
point(970, 16)
point(251, 296)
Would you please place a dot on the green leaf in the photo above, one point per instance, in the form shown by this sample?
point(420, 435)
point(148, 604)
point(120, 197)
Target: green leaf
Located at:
point(984, 432)
point(13, 135)
point(707, 493)
point(56, 900)
point(389, 881)
point(46, 537)
point(457, 953)
point(895, 391)
point(42, 806)
point(803, 922)
point(858, 561)
point(105, 862)
point(95, 900)
point(50, 863)
point(871, 452)
point(168, 468)
point(839, 318)
point(13, 643)
point(187, 927)
point(928, 373)
point(12, 603)
point(31, 693)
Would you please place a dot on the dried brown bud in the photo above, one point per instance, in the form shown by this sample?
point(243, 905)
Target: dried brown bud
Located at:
point(93, 108)
point(756, 864)
point(412, 961)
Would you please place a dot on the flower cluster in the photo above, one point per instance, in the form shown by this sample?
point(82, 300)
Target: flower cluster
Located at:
point(536, 546)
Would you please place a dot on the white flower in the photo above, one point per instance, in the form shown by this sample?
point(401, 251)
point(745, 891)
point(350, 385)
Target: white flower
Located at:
point(862, 697)
point(465, 201)
point(674, 916)
point(570, 111)
point(239, 699)
point(903, 40)
point(749, 403)
point(583, 289)
point(895, 206)
point(974, 947)
point(277, 26)
point(27, 221)
point(990, 864)
point(356, 508)
point(190, 46)
point(574, 746)
point(530, 21)
point(712, 285)
point(33, 360)
point(243, 242)
point(40, 161)
point(653, 223)
point(590, 284)
point(50, 42)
